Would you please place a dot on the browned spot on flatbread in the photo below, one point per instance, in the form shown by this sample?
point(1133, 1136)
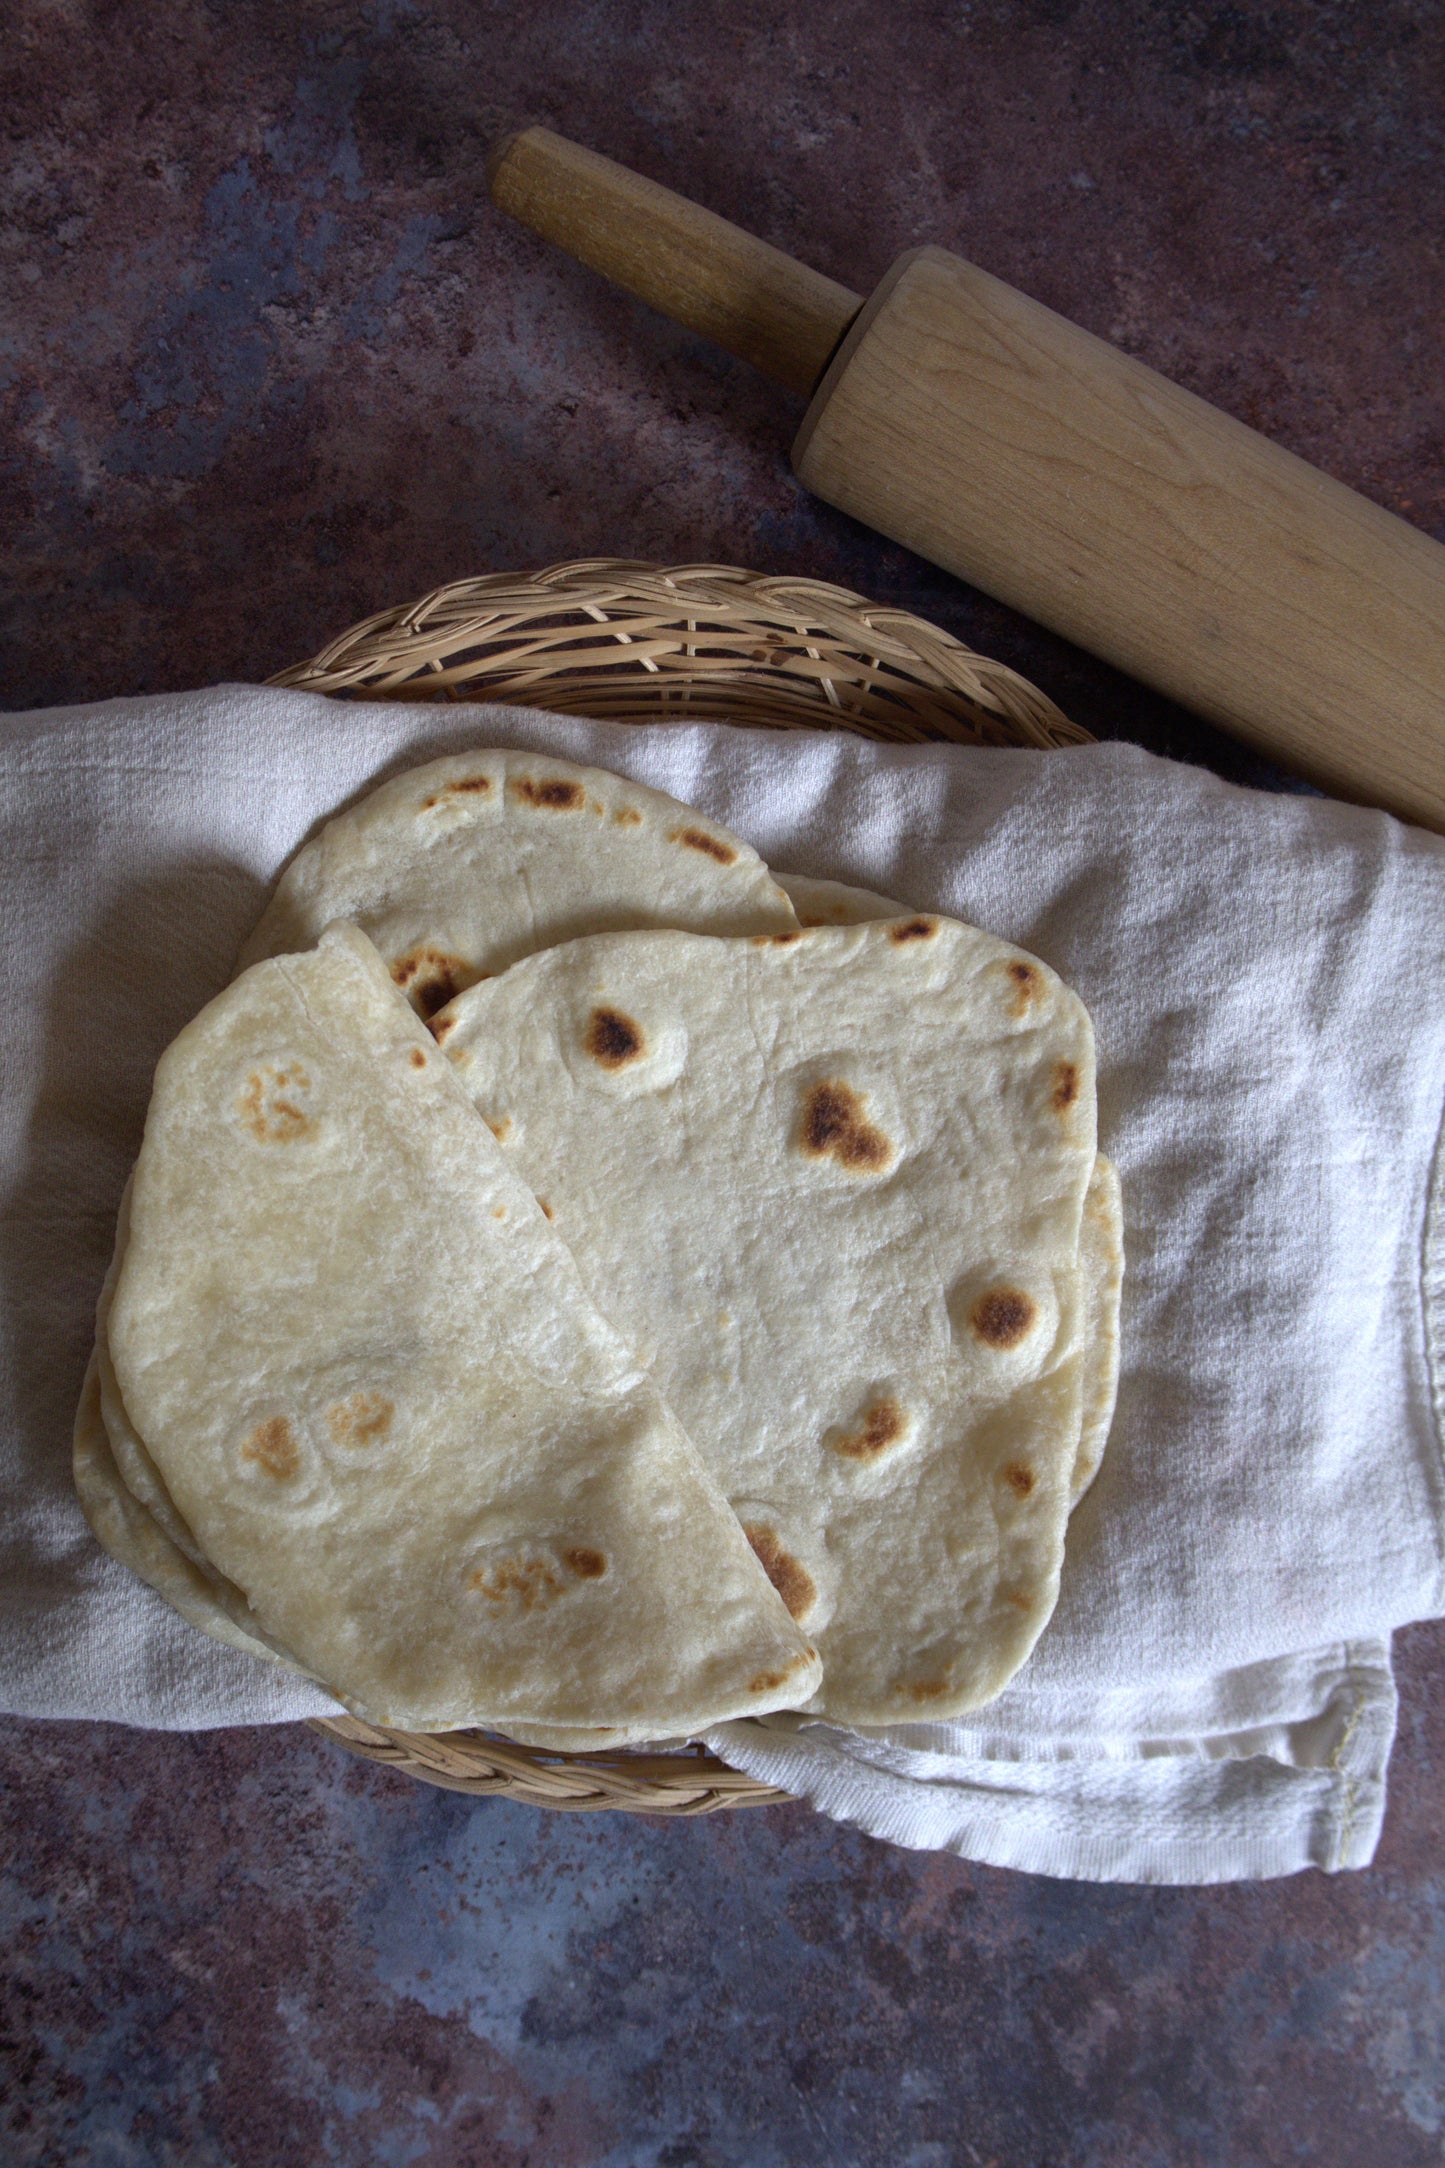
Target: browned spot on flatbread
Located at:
point(775, 940)
point(1027, 982)
point(1065, 1087)
point(927, 1689)
point(789, 1576)
point(530, 1580)
point(764, 1681)
point(440, 1026)
point(430, 978)
point(587, 1564)
point(361, 1418)
point(501, 1127)
point(1020, 1479)
point(272, 1445)
point(1017, 1599)
point(418, 1059)
point(547, 1212)
point(834, 1126)
point(882, 1424)
point(549, 793)
point(470, 786)
point(268, 1104)
point(1003, 1317)
point(431, 994)
point(913, 929)
point(627, 816)
point(698, 839)
point(613, 1040)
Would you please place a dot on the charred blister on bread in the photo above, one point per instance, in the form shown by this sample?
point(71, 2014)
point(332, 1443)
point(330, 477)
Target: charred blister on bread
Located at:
point(1003, 1317)
point(614, 1039)
point(549, 793)
point(430, 978)
point(789, 1576)
point(835, 1126)
point(880, 1425)
point(274, 1103)
point(698, 839)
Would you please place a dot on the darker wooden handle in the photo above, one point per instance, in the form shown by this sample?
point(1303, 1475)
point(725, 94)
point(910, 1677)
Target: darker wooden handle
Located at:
point(697, 268)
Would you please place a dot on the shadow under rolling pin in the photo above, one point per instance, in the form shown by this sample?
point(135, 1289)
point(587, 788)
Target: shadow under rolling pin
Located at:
point(1045, 466)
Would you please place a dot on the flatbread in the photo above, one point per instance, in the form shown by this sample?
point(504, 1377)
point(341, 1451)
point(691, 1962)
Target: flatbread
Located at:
point(374, 1389)
point(132, 1535)
point(133, 1463)
point(1101, 1255)
point(456, 869)
point(830, 1186)
point(836, 903)
point(134, 1515)
point(1101, 1240)
point(122, 1526)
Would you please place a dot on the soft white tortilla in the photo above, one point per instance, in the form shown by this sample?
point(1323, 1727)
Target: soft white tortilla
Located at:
point(132, 1514)
point(371, 1383)
point(456, 869)
point(122, 1526)
point(836, 903)
point(831, 1186)
point(127, 1448)
point(1101, 1237)
point(1101, 1256)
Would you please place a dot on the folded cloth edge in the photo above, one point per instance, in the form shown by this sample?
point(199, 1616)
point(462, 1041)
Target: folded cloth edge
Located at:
point(1315, 1798)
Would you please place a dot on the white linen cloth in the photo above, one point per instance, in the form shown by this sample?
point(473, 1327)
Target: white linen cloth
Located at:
point(1213, 1698)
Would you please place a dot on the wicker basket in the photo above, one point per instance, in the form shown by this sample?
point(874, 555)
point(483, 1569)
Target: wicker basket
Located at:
point(650, 643)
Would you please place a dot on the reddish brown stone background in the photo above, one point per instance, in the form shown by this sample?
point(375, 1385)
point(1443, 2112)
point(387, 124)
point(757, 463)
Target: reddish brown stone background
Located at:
point(268, 362)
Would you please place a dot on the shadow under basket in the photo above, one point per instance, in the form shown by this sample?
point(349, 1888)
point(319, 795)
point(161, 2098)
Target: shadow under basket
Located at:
point(641, 643)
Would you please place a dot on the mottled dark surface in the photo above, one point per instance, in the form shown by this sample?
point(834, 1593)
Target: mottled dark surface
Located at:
point(268, 362)
point(246, 1949)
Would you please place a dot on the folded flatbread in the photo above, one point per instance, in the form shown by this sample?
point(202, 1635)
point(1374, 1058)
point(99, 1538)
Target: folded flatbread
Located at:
point(371, 1384)
point(126, 1528)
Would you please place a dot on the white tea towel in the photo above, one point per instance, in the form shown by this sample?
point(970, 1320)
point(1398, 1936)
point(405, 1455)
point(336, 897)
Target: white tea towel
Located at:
point(1213, 1697)
point(1237, 1777)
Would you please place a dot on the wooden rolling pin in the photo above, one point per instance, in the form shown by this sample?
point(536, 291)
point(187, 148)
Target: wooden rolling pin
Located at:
point(982, 430)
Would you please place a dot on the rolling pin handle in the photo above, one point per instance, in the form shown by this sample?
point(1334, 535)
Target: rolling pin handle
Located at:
point(697, 268)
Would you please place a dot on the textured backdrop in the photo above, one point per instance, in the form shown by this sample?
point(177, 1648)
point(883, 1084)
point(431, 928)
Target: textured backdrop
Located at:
point(268, 362)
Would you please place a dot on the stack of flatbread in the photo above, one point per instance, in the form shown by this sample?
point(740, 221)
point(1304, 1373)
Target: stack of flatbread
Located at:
point(577, 1284)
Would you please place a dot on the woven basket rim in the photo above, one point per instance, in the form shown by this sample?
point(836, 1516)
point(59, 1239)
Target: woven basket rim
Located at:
point(625, 638)
point(688, 1780)
point(619, 636)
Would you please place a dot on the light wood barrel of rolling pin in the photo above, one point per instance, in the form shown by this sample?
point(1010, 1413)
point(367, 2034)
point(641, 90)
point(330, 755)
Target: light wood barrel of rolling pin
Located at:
point(980, 429)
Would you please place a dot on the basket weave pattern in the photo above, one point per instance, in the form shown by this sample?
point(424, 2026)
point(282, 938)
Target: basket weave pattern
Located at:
point(647, 643)
point(687, 643)
point(691, 1781)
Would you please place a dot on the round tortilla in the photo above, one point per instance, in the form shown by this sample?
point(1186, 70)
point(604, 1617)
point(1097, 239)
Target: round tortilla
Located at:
point(457, 869)
point(830, 1186)
point(1101, 1235)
